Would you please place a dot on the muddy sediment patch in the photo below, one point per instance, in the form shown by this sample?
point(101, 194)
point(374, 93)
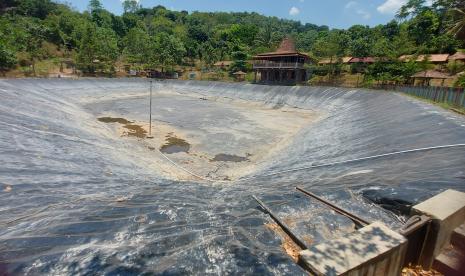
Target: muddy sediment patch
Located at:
point(132, 129)
point(109, 120)
point(175, 145)
point(135, 130)
point(223, 157)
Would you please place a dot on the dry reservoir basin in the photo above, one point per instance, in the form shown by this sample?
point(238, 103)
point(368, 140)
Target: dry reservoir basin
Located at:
point(83, 189)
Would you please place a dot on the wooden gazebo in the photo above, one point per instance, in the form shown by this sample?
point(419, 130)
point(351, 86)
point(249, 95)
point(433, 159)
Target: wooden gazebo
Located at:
point(428, 75)
point(284, 66)
point(240, 76)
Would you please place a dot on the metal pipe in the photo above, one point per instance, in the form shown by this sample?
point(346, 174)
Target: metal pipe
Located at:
point(357, 220)
point(281, 224)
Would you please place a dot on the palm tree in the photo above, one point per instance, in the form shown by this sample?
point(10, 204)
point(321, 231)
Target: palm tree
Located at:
point(458, 24)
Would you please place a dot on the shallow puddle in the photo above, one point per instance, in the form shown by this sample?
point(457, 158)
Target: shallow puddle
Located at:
point(222, 157)
point(175, 145)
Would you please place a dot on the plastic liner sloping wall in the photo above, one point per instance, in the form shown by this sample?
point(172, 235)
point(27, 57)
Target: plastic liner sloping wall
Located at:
point(76, 200)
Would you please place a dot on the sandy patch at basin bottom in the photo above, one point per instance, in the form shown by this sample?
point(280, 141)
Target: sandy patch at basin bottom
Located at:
point(281, 124)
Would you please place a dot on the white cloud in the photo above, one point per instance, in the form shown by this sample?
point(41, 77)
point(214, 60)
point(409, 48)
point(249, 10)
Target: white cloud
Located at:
point(351, 4)
point(294, 11)
point(354, 7)
point(391, 6)
point(364, 14)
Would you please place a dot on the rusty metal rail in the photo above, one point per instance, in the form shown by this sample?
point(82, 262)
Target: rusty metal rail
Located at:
point(416, 229)
point(281, 224)
point(360, 222)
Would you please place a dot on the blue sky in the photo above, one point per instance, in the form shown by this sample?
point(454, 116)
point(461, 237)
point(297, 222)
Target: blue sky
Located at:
point(333, 13)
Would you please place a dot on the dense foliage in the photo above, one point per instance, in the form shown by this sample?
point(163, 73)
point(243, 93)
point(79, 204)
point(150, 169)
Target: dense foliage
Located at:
point(32, 30)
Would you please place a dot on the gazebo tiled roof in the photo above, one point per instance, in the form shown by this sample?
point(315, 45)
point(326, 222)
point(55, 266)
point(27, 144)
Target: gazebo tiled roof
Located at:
point(286, 48)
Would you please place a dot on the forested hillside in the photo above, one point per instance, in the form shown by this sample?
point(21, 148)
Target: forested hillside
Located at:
point(32, 31)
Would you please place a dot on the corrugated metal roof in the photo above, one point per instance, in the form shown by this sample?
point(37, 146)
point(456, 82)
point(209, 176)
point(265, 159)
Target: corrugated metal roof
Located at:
point(362, 60)
point(223, 63)
point(431, 74)
point(457, 56)
point(346, 59)
point(431, 58)
point(438, 58)
point(334, 60)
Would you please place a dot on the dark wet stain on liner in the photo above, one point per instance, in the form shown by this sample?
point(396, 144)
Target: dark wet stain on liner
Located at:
point(222, 157)
point(136, 131)
point(114, 120)
point(133, 130)
point(175, 145)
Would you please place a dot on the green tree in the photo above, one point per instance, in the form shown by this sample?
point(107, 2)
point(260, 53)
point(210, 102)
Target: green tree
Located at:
point(391, 29)
point(402, 43)
point(36, 8)
point(209, 55)
point(239, 57)
point(444, 43)
point(98, 50)
point(5, 4)
point(305, 41)
point(100, 16)
point(243, 33)
point(457, 26)
point(161, 25)
point(47, 27)
point(7, 58)
point(394, 71)
point(137, 46)
point(361, 40)
point(34, 40)
point(131, 6)
point(412, 8)
point(330, 46)
point(169, 50)
point(424, 27)
point(95, 5)
point(460, 81)
point(87, 50)
point(198, 32)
